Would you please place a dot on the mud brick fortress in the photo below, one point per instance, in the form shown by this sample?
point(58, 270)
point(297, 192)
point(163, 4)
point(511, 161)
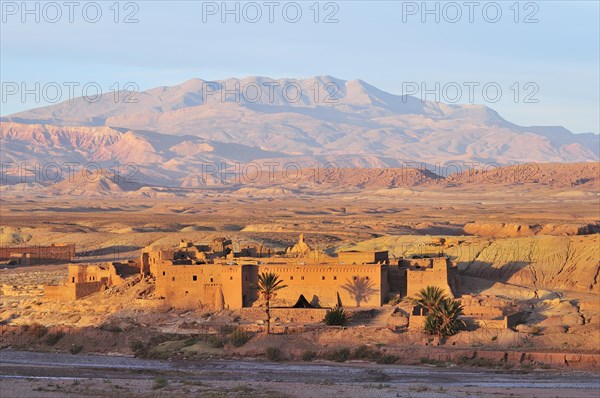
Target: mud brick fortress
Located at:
point(35, 255)
point(85, 279)
point(215, 276)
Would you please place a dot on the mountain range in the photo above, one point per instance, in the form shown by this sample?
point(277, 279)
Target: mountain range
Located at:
point(170, 134)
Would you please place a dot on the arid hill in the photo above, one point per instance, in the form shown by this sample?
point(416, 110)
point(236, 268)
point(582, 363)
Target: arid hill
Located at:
point(559, 175)
point(513, 230)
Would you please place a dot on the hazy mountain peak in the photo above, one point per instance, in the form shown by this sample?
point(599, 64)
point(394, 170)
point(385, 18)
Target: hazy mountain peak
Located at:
point(173, 129)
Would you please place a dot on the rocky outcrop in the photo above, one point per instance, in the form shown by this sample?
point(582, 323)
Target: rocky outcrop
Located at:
point(513, 230)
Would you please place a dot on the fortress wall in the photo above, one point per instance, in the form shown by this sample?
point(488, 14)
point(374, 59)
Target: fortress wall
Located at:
point(321, 284)
point(436, 275)
point(31, 255)
point(351, 257)
point(356, 285)
point(397, 280)
point(176, 283)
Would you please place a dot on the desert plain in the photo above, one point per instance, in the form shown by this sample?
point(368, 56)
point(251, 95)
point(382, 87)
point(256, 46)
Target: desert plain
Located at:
point(530, 242)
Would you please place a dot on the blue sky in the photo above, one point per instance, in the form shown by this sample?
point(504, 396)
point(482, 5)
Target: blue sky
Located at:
point(386, 44)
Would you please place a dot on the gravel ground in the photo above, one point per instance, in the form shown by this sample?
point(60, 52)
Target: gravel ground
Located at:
point(34, 374)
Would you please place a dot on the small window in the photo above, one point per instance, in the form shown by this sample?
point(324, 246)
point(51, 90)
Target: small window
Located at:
point(186, 292)
point(301, 278)
point(73, 279)
point(164, 273)
point(367, 277)
point(335, 278)
point(195, 277)
point(231, 278)
point(291, 278)
point(323, 278)
point(355, 278)
point(173, 279)
point(211, 279)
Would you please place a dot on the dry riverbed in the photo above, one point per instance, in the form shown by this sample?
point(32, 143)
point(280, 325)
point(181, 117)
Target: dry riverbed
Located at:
point(36, 374)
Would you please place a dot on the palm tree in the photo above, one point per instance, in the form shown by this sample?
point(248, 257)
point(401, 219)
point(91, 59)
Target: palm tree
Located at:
point(448, 313)
point(268, 284)
point(430, 297)
point(442, 312)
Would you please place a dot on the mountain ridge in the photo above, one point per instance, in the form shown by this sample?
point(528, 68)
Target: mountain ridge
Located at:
point(173, 130)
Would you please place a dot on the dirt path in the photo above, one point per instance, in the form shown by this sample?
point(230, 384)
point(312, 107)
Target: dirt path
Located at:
point(53, 374)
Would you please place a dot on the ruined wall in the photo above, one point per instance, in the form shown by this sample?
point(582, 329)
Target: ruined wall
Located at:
point(105, 273)
point(32, 255)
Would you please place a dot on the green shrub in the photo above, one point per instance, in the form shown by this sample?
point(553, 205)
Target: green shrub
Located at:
point(337, 316)
point(340, 355)
point(53, 338)
point(109, 327)
point(75, 349)
point(159, 383)
point(308, 355)
point(274, 354)
point(387, 359)
point(215, 340)
point(136, 345)
point(40, 331)
point(239, 337)
point(366, 353)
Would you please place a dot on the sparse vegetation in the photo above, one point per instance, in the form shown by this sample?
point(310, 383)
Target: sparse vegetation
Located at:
point(339, 355)
point(40, 331)
point(336, 316)
point(109, 327)
point(137, 346)
point(53, 338)
point(238, 337)
point(75, 349)
point(160, 382)
point(274, 354)
point(374, 355)
point(429, 361)
point(308, 355)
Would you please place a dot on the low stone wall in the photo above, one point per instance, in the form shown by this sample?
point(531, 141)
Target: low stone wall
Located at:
point(55, 292)
point(555, 359)
point(87, 288)
point(73, 291)
point(285, 315)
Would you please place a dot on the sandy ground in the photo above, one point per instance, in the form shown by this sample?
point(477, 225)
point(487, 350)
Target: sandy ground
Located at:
point(557, 284)
point(29, 374)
